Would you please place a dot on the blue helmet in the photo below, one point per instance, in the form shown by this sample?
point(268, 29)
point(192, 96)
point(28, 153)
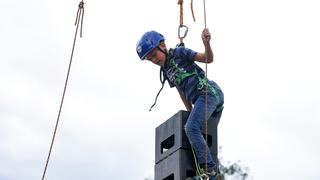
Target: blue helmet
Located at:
point(148, 42)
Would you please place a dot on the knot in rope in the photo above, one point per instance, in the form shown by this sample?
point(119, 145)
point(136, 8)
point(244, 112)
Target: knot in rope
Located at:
point(81, 4)
point(79, 18)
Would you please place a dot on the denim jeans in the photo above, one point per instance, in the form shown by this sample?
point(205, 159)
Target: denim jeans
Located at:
point(196, 123)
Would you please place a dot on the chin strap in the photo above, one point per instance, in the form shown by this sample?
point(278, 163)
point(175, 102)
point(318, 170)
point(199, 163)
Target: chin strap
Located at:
point(162, 80)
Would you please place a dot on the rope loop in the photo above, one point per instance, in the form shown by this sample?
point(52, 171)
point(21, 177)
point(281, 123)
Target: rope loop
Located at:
point(79, 17)
point(81, 4)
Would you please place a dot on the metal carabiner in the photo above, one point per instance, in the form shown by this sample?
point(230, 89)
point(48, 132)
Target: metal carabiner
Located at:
point(185, 28)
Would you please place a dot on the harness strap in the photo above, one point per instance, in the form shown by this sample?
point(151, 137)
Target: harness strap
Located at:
point(202, 82)
point(199, 171)
point(182, 75)
point(162, 80)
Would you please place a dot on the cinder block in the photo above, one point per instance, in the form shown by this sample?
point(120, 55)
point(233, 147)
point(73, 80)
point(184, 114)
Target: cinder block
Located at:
point(170, 136)
point(177, 166)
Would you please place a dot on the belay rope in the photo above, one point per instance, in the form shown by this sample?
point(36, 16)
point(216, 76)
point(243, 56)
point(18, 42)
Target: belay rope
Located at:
point(79, 21)
point(199, 172)
point(207, 84)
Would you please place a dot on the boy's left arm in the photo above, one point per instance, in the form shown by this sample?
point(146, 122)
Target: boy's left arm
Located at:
point(207, 56)
point(186, 103)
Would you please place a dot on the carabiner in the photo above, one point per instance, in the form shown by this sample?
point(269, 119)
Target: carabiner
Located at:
point(185, 31)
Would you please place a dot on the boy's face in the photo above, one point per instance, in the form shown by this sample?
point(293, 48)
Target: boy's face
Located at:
point(156, 56)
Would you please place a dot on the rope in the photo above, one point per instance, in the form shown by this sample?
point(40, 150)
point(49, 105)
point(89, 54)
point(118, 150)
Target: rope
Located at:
point(199, 172)
point(180, 2)
point(80, 14)
point(206, 99)
point(204, 14)
point(79, 20)
point(191, 6)
point(181, 25)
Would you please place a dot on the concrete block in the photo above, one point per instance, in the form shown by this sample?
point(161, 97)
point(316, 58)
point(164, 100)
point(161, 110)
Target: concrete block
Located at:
point(170, 136)
point(178, 166)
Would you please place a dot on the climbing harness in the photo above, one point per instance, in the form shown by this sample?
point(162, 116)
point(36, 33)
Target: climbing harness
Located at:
point(79, 21)
point(202, 81)
point(183, 75)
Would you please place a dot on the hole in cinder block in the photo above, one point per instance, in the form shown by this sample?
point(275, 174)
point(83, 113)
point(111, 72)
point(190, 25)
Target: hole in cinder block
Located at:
point(167, 144)
point(190, 173)
point(209, 140)
point(170, 177)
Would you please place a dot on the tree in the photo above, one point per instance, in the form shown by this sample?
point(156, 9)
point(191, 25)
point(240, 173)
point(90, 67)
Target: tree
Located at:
point(233, 171)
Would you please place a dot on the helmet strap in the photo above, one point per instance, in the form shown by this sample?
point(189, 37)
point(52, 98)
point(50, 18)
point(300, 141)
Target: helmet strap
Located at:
point(163, 51)
point(162, 78)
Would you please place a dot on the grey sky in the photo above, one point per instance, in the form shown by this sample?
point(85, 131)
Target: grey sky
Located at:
point(266, 61)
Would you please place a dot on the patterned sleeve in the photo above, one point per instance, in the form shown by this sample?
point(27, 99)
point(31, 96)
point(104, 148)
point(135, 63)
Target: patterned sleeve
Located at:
point(186, 54)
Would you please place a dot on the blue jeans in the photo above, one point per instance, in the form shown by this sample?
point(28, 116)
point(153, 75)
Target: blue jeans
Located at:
point(196, 123)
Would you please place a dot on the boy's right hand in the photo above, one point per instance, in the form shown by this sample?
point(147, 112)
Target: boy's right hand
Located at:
point(206, 36)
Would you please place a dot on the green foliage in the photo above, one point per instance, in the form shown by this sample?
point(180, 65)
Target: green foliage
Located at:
point(233, 171)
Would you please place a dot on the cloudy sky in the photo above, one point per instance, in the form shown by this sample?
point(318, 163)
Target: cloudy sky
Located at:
point(266, 61)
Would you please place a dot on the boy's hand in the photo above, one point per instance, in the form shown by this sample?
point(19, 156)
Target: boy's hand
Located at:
point(206, 36)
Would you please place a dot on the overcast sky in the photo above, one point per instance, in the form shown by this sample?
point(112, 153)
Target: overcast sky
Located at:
point(266, 61)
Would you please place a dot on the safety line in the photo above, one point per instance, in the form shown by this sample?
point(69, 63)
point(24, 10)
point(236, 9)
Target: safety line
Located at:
point(79, 20)
point(206, 99)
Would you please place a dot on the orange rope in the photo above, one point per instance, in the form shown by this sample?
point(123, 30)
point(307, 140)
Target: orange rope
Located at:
point(180, 2)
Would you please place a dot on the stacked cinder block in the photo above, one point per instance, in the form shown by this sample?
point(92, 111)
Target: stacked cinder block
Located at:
point(173, 154)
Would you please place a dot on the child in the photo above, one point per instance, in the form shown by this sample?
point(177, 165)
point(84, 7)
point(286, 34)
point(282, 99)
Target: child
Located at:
point(180, 70)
